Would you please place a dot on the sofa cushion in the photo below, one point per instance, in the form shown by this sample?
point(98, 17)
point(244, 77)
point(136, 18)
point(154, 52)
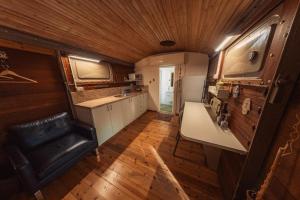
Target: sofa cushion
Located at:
point(51, 156)
point(32, 134)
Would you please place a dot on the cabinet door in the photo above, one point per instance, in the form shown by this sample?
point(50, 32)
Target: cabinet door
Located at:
point(102, 123)
point(132, 109)
point(145, 102)
point(116, 116)
point(126, 111)
point(136, 105)
point(141, 103)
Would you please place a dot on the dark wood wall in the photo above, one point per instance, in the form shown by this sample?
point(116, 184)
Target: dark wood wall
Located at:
point(245, 126)
point(213, 66)
point(119, 72)
point(23, 102)
point(228, 171)
point(286, 180)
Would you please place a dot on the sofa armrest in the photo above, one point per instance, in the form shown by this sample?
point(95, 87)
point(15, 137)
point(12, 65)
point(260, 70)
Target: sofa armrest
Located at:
point(85, 130)
point(17, 158)
point(23, 168)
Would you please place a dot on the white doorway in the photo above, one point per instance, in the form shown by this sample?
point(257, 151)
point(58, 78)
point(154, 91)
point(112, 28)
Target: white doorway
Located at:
point(166, 89)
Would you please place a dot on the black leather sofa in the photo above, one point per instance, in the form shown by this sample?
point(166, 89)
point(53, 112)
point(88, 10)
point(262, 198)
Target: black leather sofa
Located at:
point(42, 150)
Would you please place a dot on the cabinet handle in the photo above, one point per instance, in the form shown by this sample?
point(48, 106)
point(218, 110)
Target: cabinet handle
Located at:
point(110, 107)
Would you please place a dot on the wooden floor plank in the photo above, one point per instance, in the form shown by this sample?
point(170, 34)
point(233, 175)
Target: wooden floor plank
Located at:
point(130, 170)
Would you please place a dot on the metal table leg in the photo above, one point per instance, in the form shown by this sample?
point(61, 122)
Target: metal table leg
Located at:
point(177, 141)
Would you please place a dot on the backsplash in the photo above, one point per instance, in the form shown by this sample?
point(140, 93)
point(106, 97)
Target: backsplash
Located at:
point(86, 95)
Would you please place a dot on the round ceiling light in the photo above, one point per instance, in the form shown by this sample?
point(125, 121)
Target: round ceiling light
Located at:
point(167, 43)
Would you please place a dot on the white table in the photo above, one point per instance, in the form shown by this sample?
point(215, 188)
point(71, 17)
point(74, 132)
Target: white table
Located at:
point(198, 126)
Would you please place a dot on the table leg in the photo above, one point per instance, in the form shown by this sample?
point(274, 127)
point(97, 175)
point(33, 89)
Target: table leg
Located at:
point(177, 141)
point(212, 156)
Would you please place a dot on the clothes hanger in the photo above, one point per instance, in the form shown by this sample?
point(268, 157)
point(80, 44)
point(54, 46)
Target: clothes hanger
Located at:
point(9, 74)
point(6, 77)
point(6, 72)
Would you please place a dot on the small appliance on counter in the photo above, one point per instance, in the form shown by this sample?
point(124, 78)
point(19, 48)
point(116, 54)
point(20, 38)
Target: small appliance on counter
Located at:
point(223, 117)
point(219, 91)
point(135, 77)
point(139, 88)
point(215, 105)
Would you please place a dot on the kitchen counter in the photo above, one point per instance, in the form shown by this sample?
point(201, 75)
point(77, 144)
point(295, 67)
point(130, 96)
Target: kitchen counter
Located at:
point(106, 100)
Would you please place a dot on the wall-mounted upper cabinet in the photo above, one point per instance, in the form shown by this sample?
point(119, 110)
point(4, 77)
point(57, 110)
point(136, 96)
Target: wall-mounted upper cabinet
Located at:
point(87, 70)
point(84, 73)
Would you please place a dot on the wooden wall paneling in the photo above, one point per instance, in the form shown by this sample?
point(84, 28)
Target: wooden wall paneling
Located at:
point(288, 68)
point(132, 30)
point(121, 72)
point(66, 80)
point(245, 127)
point(212, 68)
point(68, 73)
point(25, 102)
point(286, 179)
point(278, 42)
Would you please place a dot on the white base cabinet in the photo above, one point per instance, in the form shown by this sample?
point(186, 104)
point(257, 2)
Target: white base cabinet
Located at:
point(117, 120)
point(109, 119)
point(102, 123)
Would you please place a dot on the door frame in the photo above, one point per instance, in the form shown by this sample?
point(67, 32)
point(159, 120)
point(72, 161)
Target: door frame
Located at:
point(174, 96)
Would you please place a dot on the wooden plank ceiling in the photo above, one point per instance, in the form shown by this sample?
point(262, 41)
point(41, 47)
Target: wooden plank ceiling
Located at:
point(128, 29)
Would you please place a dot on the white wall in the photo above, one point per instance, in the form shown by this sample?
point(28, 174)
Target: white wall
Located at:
point(191, 64)
point(196, 64)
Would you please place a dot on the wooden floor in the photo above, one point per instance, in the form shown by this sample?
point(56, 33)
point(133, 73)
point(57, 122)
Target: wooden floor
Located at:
point(136, 164)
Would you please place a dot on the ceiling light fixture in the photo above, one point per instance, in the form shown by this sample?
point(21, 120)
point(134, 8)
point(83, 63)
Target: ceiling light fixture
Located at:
point(83, 58)
point(224, 43)
point(167, 43)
